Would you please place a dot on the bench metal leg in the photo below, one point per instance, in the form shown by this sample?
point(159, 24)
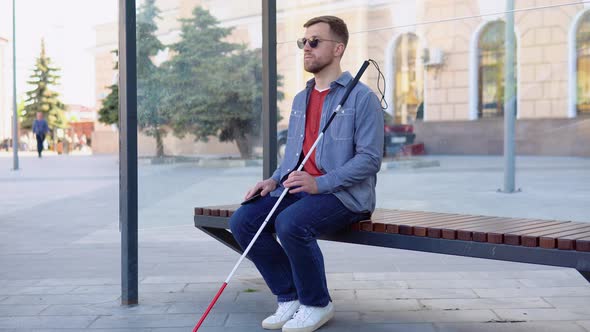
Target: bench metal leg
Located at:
point(222, 236)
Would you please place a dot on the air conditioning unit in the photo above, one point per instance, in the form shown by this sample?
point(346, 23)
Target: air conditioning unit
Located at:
point(433, 57)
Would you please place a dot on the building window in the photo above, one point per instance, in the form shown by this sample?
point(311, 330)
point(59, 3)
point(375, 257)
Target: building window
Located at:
point(409, 87)
point(491, 70)
point(583, 65)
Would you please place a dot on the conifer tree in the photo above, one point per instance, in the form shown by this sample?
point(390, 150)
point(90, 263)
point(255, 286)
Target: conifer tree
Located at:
point(42, 98)
point(109, 112)
point(150, 118)
point(213, 87)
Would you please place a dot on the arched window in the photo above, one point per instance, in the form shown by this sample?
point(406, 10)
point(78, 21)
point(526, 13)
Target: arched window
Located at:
point(491, 70)
point(583, 65)
point(409, 87)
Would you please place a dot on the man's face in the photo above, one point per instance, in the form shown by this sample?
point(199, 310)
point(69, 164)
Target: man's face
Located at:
point(325, 53)
point(39, 116)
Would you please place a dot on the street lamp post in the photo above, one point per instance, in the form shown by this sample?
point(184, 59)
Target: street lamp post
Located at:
point(509, 100)
point(14, 112)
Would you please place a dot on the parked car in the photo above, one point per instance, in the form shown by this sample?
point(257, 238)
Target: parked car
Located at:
point(281, 143)
point(396, 136)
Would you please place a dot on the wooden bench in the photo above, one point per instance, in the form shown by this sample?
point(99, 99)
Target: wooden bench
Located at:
point(545, 242)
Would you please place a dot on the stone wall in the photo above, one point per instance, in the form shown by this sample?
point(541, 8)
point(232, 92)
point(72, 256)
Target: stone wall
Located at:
point(551, 137)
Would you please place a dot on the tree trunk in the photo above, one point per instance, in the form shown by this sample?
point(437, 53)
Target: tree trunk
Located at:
point(159, 144)
point(244, 147)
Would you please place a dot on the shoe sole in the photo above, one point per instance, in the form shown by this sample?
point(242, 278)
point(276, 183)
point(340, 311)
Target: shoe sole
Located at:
point(271, 326)
point(311, 328)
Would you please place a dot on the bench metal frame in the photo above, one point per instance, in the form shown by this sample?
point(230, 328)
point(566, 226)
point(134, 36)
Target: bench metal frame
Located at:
point(217, 227)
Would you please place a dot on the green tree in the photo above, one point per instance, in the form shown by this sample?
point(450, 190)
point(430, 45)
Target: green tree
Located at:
point(42, 98)
point(109, 112)
point(150, 118)
point(214, 88)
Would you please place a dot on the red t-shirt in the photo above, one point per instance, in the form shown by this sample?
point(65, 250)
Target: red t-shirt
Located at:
point(312, 128)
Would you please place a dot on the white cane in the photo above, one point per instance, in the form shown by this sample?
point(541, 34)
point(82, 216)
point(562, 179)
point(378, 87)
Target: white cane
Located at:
point(349, 88)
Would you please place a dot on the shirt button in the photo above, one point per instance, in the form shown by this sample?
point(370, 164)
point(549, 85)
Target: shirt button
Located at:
point(288, 169)
point(301, 135)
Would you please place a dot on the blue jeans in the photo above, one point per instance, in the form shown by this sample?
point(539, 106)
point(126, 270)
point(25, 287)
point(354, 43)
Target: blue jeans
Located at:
point(40, 139)
point(294, 270)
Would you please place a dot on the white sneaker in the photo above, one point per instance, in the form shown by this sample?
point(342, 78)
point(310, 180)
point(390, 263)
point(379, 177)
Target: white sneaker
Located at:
point(283, 314)
point(309, 319)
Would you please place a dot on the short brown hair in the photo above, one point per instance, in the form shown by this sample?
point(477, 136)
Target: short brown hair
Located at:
point(337, 26)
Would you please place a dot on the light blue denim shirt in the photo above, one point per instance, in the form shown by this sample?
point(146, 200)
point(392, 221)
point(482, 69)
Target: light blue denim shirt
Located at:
point(40, 127)
point(351, 149)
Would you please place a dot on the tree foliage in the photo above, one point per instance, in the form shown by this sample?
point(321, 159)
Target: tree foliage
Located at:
point(109, 112)
point(213, 87)
point(42, 98)
point(208, 87)
point(150, 118)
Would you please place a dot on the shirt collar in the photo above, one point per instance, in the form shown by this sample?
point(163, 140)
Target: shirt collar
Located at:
point(343, 80)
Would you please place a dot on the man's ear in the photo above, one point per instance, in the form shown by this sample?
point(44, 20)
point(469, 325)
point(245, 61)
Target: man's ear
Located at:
point(339, 50)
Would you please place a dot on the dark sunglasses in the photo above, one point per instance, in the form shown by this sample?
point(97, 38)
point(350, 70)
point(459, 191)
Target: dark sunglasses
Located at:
point(313, 42)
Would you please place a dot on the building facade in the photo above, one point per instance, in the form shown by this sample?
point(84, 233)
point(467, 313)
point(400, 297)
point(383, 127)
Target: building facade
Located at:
point(5, 88)
point(443, 64)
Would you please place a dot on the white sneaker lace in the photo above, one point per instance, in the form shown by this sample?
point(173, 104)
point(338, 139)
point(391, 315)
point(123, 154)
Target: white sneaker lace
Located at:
point(302, 313)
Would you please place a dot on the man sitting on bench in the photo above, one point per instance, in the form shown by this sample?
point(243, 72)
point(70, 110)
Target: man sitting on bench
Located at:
point(335, 189)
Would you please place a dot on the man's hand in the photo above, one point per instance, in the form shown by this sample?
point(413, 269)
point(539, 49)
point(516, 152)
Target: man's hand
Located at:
point(266, 186)
point(303, 181)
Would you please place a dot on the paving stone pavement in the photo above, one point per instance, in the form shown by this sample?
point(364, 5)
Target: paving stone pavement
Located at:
point(60, 252)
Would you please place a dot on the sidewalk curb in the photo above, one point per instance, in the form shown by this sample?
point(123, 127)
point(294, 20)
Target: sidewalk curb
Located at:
point(410, 163)
point(225, 162)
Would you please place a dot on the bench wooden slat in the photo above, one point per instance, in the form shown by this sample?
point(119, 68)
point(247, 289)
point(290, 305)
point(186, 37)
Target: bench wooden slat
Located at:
point(548, 234)
point(422, 230)
point(206, 210)
point(569, 242)
point(498, 236)
point(418, 225)
point(533, 239)
point(442, 230)
point(550, 241)
point(424, 219)
point(379, 213)
point(583, 244)
point(482, 234)
point(573, 238)
point(493, 233)
point(396, 222)
point(450, 231)
point(436, 231)
point(421, 216)
point(408, 227)
point(479, 232)
point(515, 237)
point(465, 232)
point(446, 230)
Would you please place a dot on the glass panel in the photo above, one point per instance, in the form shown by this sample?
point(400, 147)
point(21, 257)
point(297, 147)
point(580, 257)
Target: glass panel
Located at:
point(491, 70)
point(451, 56)
point(199, 68)
point(408, 79)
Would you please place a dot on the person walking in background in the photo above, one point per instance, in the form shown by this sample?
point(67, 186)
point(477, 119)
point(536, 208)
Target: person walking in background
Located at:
point(40, 129)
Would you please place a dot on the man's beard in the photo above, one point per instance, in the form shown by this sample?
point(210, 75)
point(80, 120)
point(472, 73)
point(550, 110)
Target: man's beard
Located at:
point(315, 67)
